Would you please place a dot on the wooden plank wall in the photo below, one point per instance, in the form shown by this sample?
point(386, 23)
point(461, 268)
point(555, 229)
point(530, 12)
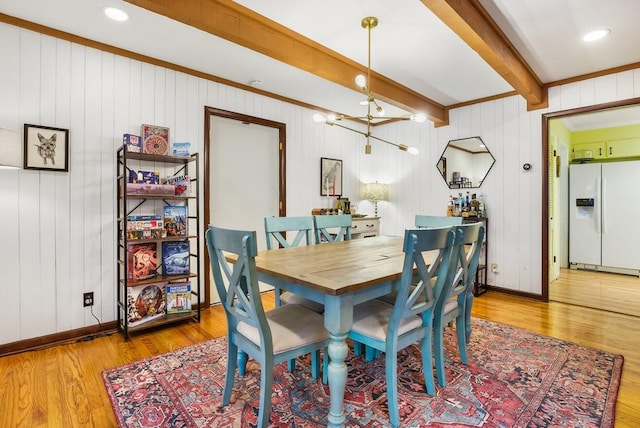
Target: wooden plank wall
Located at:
point(59, 228)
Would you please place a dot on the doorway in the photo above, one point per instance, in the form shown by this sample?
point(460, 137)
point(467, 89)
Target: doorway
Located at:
point(244, 173)
point(611, 116)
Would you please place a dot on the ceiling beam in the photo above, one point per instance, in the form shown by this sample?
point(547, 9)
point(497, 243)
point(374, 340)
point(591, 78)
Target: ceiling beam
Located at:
point(231, 21)
point(469, 20)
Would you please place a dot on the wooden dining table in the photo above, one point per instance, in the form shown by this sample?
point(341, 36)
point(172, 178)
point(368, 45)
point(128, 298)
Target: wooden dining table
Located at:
point(338, 275)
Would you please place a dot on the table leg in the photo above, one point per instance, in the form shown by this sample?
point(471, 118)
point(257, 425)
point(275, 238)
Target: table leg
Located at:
point(338, 319)
point(338, 352)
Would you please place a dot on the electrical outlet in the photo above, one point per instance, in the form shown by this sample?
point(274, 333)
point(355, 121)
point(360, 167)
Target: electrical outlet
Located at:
point(494, 267)
point(87, 299)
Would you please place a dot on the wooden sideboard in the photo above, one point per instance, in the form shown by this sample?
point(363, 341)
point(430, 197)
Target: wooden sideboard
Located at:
point(365, 227)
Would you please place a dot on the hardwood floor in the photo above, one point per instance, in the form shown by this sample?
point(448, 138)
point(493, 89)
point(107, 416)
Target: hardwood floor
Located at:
point(62, 386)
point(600, 290)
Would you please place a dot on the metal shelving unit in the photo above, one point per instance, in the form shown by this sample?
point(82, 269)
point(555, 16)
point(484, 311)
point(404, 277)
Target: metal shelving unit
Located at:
point(127, 203)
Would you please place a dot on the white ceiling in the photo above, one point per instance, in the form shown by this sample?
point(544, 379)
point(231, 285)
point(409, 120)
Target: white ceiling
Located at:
point(410, 45)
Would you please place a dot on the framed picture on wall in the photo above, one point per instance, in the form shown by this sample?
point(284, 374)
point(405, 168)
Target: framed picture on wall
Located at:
point(330, 177)
point(46, 148)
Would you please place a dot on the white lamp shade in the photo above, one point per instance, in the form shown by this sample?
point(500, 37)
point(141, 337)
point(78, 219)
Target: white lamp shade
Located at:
point(10, 149)
point(375, 192)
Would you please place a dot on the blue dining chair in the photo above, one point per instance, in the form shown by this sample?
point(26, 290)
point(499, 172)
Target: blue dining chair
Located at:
point(332, 228)
point(456, 299)
point(276, 229)
point(436, 221)
point(392, 327)
point(270, 337)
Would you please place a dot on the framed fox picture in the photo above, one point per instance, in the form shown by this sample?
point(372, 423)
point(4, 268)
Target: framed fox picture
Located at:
point(46, 148)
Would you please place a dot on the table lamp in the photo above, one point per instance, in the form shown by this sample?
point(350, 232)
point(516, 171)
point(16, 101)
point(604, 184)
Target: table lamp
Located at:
point(375, 192)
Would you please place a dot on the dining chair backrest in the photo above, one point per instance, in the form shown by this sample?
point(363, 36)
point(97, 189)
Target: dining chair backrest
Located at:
point(237, 283)
point(422, 282)
point(436, 221)
point(390, 328)
point(465, 259)
point(456, 298)
point(275, 229)
point(271, 337)
point(332, 228)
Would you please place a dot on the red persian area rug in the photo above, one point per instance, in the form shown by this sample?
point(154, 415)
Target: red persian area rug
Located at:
point(514, 378)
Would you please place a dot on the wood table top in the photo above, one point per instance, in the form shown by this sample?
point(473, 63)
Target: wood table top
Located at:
point(337, 268)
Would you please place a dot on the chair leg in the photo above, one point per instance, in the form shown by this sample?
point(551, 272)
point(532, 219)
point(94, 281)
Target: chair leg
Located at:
point(391, 372)
point(462, 339)
point(369, 353)
point(315, 367)
point(427, 362)
point(357, 348)
point(277, 293)
point(242, 362)
point(291, 364)
point(266, 385)
point(232, 351)
point(438, 346)
point(467, 315)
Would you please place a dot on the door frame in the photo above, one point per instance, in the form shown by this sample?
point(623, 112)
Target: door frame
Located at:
point(545, 176)
point(210, 112)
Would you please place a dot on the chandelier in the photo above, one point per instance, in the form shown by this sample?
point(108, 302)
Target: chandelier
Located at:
point(364, 83)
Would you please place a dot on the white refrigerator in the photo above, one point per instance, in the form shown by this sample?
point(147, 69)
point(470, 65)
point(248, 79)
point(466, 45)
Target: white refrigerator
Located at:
point(604, 207)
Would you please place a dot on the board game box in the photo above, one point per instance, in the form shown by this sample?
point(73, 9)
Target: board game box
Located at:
point(155, 140)
point(175, 220)
point(142, 260)
point(178, 297)
point(146, 303)
point(175, 257)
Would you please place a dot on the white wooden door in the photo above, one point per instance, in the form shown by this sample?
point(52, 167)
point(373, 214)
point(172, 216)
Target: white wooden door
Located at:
point(244, 171)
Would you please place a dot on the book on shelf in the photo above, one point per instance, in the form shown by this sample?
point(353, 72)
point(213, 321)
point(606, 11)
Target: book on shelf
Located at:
point(146, 303)
point(142, 261)
point(155, 139)
point(175, 220)
point(175, 258)
point(145, 227)
point(181, 183)
point(178, 297)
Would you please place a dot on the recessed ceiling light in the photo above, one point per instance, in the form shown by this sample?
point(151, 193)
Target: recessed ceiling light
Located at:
point(596, 35)
point(116, 14)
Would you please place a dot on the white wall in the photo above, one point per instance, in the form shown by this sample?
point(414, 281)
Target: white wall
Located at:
point(58, 237)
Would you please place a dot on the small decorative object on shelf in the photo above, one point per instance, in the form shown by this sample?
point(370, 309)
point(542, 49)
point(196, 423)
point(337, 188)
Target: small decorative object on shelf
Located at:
point(158, 241)
point(155, 140)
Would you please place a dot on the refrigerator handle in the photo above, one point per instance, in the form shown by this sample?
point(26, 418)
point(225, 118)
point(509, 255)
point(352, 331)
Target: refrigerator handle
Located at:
point(603, 189)
point(598, 207)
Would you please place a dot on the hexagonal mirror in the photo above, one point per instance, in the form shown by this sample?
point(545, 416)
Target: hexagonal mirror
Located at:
point(465, 163)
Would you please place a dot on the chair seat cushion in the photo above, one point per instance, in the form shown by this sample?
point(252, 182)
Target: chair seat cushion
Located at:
point(371, 319)
point(450, 305)
point(289, 297)
point(292, 326)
